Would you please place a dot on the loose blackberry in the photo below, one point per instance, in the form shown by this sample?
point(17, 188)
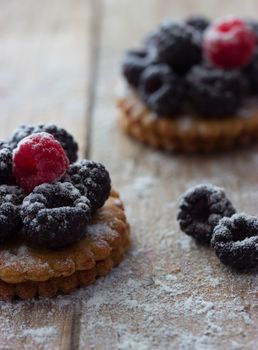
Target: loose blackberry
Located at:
point(161, 90)
point(133, 64)
point(216, 92)
point(251, 72)
point(11, 198)
point(235, 241)
point(176, 44)
point(200, 210)
point(6, 176)
point(61, 135)
point(92, 180)
point(198, 22)
point(55, 215)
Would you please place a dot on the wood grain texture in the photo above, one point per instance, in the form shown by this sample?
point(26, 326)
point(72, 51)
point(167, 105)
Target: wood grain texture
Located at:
point(59, 62)
point(169, 293)
point(45, 58)
point(44, 63)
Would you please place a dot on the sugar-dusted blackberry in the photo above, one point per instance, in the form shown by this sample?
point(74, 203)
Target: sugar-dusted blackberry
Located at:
point(235, 241)
point(251, 72)
point(162, 90)
point(216, 92)
point(92, 180)
point(55, 215)
point(61, 135)
point(198, 22)
point(11, 198)
point(133, 64)
point(176, 44)
point(6, 176)
point(201, 208)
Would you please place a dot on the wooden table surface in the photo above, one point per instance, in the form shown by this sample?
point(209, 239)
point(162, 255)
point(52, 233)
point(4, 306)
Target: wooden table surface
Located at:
point(59, 62)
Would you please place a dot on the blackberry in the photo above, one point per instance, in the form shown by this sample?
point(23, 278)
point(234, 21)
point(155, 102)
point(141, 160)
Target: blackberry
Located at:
point(200, 210)
point(198, 22)
point(235, 241)
point(161, 90)
point(216, 92)
point(133, 64)
point(11, 198)
point(55, 215)
point(61, 135)
point(92, 180)
point(176, 44)
point(6, 176)
point(251, 72)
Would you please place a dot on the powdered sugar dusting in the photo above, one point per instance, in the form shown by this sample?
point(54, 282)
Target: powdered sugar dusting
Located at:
point(167, 293)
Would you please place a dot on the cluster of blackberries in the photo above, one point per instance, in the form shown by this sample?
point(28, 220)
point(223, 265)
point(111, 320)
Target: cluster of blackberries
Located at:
point(55, 214)
point(208, 216)
point(181, 65)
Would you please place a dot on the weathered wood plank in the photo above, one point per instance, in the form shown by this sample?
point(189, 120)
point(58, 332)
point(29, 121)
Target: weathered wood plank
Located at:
point(169, 293)
point(44, 64)
point(44, 73)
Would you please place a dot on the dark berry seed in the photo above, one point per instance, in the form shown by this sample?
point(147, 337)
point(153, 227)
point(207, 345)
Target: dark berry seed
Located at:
point(55, 215)
point(11, 198)
point(161, 90)
point(235, 241)
point(61, 135)
point(216, 92)
point(176, 44)
point(92, 180)
point(200, 210)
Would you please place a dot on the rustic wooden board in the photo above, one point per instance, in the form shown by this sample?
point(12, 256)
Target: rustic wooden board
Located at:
point(169, 293)
point(59, 61)
point(45, 56)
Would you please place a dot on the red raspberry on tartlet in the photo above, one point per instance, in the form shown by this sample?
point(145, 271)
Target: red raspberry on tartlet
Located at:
point(229, 43)
point(38, 158)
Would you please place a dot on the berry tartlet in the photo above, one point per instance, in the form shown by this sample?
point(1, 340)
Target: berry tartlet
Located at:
point(193, 85)
point(61, 224)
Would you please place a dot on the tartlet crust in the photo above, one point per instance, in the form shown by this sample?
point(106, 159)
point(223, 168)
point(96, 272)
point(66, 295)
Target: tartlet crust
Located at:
point(189, 132)
point(27, 272)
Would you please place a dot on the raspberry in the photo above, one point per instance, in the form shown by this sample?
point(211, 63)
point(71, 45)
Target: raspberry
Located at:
point(11, 198)
point(92, 180)
point(6, 163)
point(38, 158)
point(229, 43)
point(134, 62)
point(55, 215)
point(198, 22)
point(161, 89)
point(216, 92)
point(200, 210)
point(176, 44)
point(235, 241)
point(61, 135)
